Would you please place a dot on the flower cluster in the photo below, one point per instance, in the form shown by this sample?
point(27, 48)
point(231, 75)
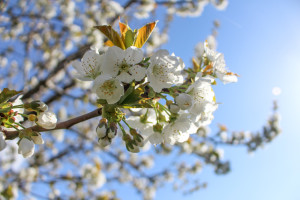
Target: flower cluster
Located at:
point(124, 79)
point(11, 116)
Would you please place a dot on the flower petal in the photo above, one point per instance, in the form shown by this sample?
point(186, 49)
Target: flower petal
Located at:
point(137, 72)
point(114, 56)
point(125, 77)
point(133, 55)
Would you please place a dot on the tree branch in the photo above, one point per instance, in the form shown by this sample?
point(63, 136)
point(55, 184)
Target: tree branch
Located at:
point(10, 135)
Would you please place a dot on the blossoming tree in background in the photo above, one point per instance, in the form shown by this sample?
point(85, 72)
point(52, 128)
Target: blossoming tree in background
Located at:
point(59, 62)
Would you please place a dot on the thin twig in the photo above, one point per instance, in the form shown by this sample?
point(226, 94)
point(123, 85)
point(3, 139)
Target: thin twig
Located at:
point(62, 125)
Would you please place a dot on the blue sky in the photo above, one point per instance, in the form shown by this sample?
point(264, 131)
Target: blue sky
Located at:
point(261, 42)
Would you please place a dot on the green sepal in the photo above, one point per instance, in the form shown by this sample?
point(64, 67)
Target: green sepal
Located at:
point(101, 101)
point(133, 98)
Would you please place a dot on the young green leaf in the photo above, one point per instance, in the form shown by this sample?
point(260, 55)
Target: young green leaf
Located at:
point(6, 94)
point(129, 38)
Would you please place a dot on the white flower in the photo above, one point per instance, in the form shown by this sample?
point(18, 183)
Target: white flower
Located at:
point(108, 88)
point(2, 141)
point(164, 70)
point(144, 124)
point(123, 64)
point(201, 93)
point(89, 67)
point(178, 131)
point(199, 49)
point(26, 147)
point(206, 116)
point(47, 120)
point(219, 66)
point(211, 43)
point(220, 70)
point(184, 101)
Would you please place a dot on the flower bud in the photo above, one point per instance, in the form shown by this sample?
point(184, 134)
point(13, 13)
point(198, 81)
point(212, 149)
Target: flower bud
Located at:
point(37, 139)
point(101, 131)
point(47, 120)
point(132, 148)
point(38, 105)
point(104, 142)
point(184, 101)
point(103, 122)
point(139, 140)
point(111, 134)
point(174, 108)
point(133, 132)
point(26, 147)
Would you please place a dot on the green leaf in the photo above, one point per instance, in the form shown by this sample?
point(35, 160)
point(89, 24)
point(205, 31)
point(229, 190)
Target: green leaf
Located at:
point(129, 38)
point(6, 94)
point(127, 93)
point(133, 98)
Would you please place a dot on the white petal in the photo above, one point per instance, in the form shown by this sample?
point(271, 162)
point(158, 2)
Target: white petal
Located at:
point(37, 139)
point(125, 77)
point(81, 77)
point(26, 147)
point(137, 72)
point(133, 55)
point(91, 63)
point(47, 120)
point(2, 141)
point(227, 78)
point(156, 138)
point(77, 65)
point(114, 57)
point(108, 88)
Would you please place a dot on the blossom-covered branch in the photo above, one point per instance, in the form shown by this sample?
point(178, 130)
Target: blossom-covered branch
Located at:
point(9, 135)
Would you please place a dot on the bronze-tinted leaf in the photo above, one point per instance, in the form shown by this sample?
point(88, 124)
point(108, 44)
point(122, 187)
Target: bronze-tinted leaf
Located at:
point(109, 43)
point(143, 34)
point(112, 35)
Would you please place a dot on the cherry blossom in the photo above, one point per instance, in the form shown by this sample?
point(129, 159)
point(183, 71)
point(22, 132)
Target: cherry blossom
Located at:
point(164, 70)
point(123, 64)
point(108, 88)
point(89, 67)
